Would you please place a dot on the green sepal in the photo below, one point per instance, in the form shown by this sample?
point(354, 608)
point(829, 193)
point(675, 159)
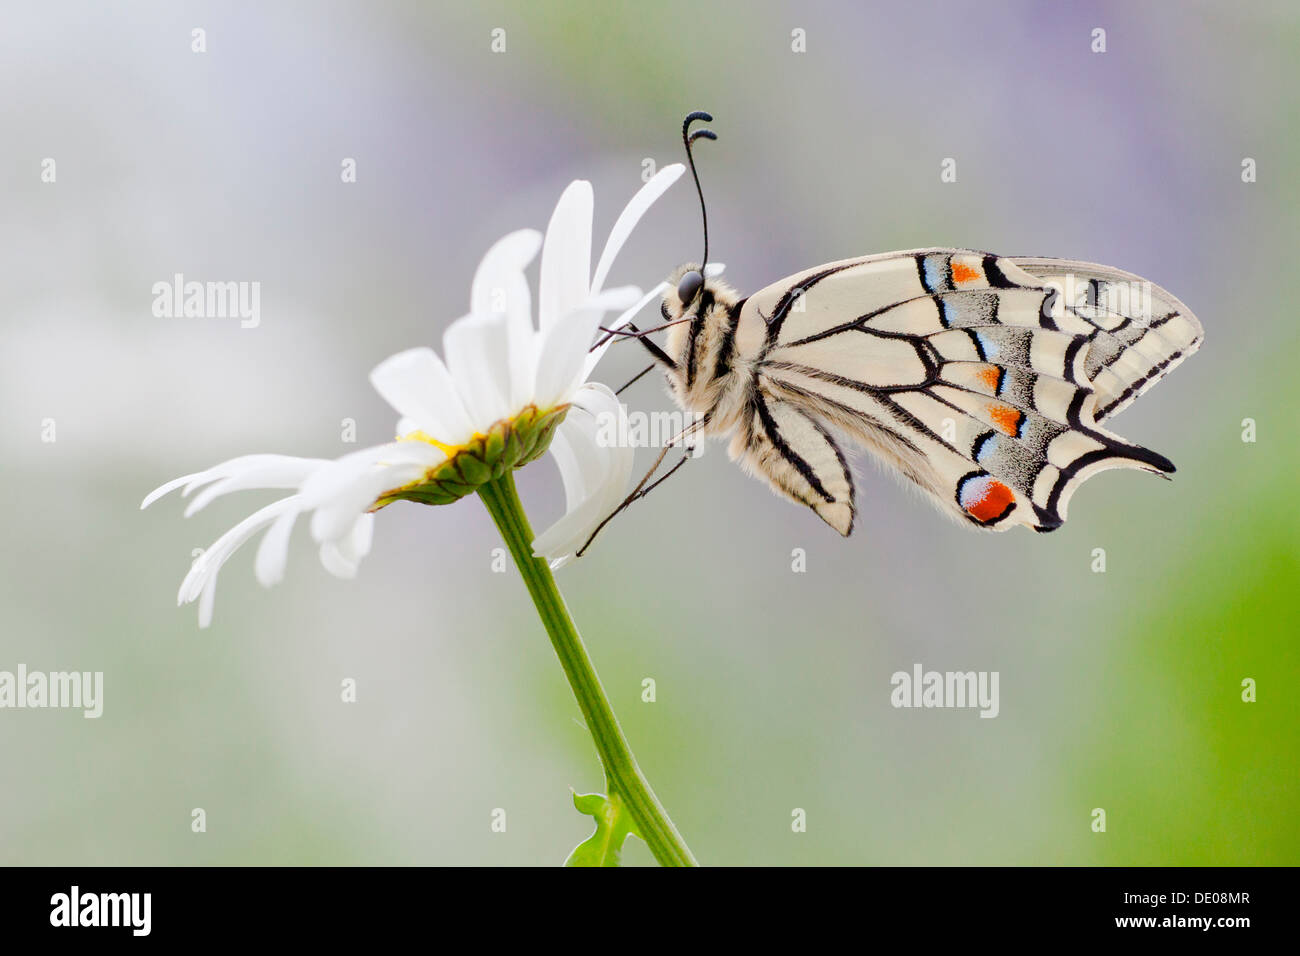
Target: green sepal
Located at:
point(473, 469)
point(543, 430)
point(507, 445)
point(613, 826)
point(432, 495)
point(513, 451)
point(494, 451)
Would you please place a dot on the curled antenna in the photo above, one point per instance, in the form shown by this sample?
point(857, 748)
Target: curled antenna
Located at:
point(687, 139)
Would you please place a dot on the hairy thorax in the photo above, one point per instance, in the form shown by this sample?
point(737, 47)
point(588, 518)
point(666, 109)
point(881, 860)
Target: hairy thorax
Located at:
point(714, 352)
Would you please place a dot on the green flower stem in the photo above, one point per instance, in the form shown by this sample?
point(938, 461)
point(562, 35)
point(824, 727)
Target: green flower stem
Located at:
point(622, 775)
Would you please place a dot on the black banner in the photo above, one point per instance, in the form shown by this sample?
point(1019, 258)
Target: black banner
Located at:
point(127, 904)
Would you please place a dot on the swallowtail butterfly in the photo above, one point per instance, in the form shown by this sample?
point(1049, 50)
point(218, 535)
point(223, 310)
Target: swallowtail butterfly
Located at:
point(984, 380)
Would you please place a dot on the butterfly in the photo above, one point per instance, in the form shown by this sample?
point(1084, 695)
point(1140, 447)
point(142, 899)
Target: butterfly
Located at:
point(983, 380)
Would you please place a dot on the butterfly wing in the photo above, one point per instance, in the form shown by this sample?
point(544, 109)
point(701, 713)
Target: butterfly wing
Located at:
point(779, 441)
point(969, 374)
point(1139, 332)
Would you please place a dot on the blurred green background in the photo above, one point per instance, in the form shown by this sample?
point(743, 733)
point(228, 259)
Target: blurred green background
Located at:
point(1119, 690)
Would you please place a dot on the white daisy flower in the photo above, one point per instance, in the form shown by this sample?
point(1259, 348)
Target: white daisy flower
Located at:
point(506, 392)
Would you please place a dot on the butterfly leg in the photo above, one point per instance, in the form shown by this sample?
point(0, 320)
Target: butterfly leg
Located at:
point(634, 379)
point(641, 489)
point(630, 331)
point(656, 353)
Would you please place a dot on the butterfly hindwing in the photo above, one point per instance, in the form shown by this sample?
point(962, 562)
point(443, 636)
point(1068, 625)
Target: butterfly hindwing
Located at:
point(970, 375)
point(798, 457)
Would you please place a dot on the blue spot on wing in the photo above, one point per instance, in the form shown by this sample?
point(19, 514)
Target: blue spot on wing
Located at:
point(973, 489)
point(936, 273)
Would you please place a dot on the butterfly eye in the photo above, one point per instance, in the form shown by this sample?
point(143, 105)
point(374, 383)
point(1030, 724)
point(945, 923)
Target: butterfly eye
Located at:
point(689, 287)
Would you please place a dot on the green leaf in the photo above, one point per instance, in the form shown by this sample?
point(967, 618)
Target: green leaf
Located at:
point(613, 826)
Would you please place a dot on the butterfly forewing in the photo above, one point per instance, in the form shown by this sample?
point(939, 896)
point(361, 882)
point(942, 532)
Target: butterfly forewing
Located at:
point(974, 376)
point(1137, 332)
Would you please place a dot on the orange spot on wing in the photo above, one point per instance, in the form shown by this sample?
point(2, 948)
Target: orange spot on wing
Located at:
point(997, 498)
point(990, 375)
point(1005, 418)
point(964, 273)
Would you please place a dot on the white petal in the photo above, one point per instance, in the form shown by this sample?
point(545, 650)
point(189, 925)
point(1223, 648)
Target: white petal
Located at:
point(339, 474)
point(503, 264)
point(206, 601)
point(358, 543)
point(335, 562)
point(564, 356)
point(165, 488)
point(566, 256)
point(342, 558)
point(200, 582)
point(336, 476)
point(501, 287)
point(614, 300)
point(594, 355)
point(524, 344)
point(418, 385)
point(273, 552)
point(630, 216)
point(277, 471)
point(335, 518)
point(595, 473)
point(478, 356)
point(257, 471)
point(577, 468)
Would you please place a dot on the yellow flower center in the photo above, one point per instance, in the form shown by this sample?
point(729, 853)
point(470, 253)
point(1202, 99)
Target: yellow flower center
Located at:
point(451, 451)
